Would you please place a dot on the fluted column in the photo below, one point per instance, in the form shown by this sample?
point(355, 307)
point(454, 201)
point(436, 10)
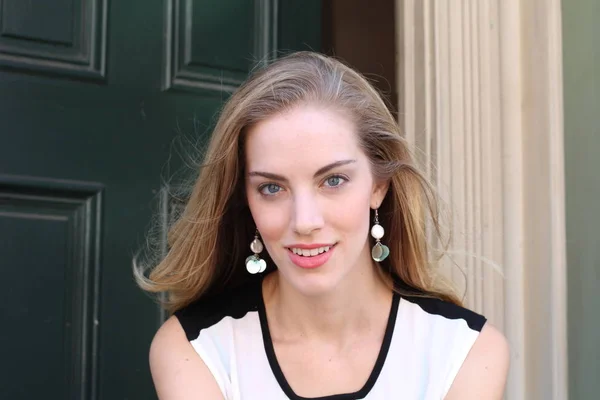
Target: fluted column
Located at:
point(481, 101)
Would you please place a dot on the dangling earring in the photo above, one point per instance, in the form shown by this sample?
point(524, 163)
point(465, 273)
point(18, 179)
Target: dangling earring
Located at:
point(254, 264)
point(379, 252)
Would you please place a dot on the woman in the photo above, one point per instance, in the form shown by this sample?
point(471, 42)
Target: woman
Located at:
point(307, 163)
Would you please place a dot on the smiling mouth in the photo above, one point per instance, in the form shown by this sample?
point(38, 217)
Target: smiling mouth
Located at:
point(310, 252)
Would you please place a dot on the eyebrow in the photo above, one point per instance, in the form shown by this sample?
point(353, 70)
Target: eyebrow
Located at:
point(320, 172)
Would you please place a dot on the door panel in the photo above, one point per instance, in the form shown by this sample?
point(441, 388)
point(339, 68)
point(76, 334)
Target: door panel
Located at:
point(92, 95)
point(65, 37)
point(50, 245)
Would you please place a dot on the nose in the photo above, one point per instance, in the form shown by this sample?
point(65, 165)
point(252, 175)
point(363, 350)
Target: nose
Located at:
point(307, 214)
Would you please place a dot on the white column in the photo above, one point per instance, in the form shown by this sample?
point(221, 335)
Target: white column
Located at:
point(481, 100)
point(544, 193)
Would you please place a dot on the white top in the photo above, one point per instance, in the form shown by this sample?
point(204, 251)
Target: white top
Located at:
point(425, 344)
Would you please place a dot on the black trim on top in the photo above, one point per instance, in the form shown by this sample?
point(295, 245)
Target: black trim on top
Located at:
point(364, 391)
point(435, 306)
point(448, 310)
point(209, 310)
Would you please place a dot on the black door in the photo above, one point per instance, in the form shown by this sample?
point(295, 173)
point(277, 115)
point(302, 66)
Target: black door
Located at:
point(92, 94)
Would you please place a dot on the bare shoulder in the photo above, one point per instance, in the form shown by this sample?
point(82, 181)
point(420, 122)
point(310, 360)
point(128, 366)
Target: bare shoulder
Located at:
point(177, 370)
point(483, 374)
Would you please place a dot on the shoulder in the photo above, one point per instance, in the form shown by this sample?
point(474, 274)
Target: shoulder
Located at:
point(484, 372)
point(467, 355)
point(189, 353)
point(178, 373)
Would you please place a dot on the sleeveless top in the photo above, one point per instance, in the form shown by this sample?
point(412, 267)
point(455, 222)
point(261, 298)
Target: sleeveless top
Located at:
point(426, 341)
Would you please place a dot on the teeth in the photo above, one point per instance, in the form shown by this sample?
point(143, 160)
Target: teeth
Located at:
point(311, 252)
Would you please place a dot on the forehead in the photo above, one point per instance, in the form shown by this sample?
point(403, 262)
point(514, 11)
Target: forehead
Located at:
point(303, 137)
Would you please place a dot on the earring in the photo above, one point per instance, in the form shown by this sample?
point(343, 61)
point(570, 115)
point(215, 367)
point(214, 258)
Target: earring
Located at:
point(254, 264)
point(379, 252)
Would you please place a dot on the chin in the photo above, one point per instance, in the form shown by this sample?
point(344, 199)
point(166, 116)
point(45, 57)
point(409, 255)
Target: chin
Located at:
point(312, 282)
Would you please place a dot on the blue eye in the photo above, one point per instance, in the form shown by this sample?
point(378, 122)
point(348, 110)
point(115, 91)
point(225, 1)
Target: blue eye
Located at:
point(269, 189)
point(335, 181)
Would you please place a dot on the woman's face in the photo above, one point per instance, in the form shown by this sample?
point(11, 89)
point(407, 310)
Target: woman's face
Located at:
point(310, 190)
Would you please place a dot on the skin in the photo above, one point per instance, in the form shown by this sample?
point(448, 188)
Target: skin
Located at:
point(327, 324)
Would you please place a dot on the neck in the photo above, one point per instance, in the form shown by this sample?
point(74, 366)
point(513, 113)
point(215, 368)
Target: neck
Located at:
point(362, 300)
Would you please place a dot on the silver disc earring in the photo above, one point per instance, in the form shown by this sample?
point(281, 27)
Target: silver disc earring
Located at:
point(254, 264)
point(379, 252)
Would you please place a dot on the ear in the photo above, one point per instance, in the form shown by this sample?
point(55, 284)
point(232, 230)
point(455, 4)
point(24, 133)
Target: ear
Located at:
point(378, 192)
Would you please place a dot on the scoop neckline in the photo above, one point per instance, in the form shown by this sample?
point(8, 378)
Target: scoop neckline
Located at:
point(280, 377)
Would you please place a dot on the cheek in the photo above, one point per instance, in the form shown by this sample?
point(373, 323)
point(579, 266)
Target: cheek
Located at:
point(270, 218)
point(353, 217)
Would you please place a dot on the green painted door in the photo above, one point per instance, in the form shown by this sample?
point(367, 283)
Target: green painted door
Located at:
point(92, 94)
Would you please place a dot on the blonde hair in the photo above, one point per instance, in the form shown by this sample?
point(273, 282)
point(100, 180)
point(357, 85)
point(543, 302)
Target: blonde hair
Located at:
point(210, 240)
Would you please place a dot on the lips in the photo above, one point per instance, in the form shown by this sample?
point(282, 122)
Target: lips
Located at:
point(316, 256)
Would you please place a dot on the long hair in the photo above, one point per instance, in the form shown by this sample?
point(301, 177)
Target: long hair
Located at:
point(210, 240)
